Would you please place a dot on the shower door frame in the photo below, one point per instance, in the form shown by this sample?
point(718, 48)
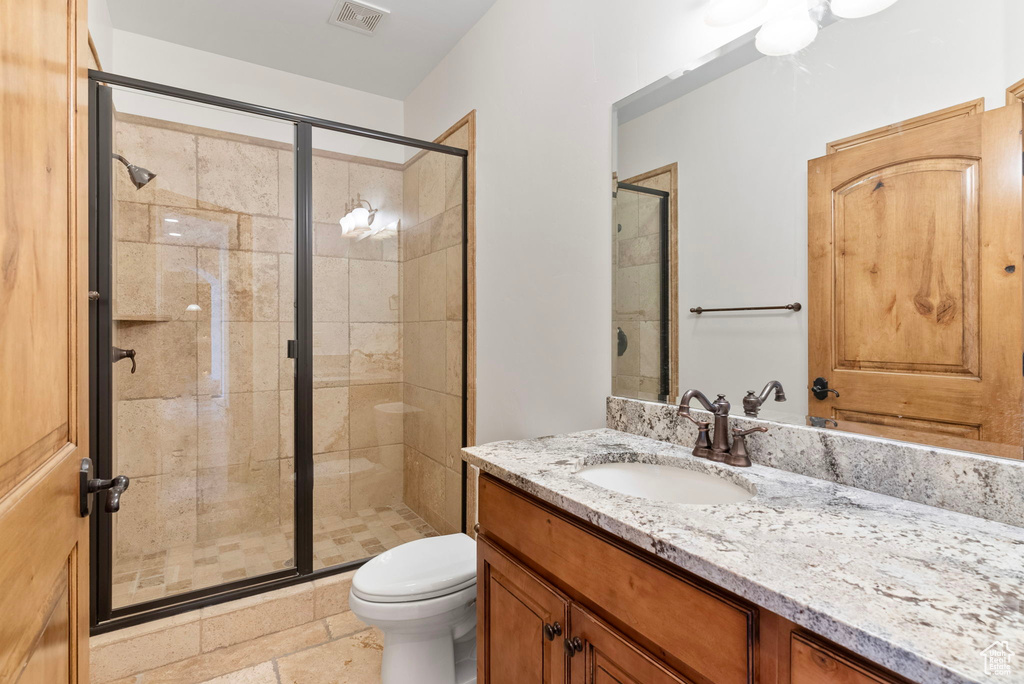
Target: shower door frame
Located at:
point(665, 280)
point(103, 616)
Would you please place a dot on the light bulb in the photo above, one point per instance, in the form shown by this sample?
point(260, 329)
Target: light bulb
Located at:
point(786, 35)
point(729, 12)
point(360, 216)
point(855, 9)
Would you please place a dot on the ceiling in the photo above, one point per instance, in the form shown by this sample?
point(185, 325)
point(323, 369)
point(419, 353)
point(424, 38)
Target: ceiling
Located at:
point(294, 36)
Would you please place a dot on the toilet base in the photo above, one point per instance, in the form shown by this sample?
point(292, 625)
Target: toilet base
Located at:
point(427, 642)
point(438, 660)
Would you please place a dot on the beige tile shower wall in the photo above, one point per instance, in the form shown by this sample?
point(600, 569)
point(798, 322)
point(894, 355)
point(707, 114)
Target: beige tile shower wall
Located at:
point(204, 428)
point(431, 249)
point(636, 274)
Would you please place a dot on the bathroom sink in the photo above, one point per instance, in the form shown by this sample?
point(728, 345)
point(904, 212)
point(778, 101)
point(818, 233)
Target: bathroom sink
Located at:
point(665, 483)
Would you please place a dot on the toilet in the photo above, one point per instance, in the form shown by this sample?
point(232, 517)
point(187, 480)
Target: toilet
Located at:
point(422, 596)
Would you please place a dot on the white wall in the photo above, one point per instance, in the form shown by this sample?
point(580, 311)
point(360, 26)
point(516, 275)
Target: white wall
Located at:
point(176, 65)
point(543, 76)
point(101, 30)
point(743, 143)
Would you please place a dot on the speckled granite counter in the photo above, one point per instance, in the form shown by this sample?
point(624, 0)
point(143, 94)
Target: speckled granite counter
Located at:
point(919, 590)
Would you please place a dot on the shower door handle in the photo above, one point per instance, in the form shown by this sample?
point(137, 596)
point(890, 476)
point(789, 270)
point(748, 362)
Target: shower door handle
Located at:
point(88, 485)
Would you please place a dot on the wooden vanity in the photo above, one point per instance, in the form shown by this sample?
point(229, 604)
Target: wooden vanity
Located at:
point(561, 601)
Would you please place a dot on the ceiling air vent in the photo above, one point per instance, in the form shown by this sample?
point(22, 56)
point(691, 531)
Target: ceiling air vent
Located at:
point(357, 16)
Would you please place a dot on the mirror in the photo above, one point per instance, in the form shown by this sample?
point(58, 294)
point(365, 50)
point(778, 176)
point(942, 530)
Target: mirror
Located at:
point(845, 220)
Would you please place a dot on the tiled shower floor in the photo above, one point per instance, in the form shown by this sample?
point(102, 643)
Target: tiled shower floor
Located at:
point(336, 540)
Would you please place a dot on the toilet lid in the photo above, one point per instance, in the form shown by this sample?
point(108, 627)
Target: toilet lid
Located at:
point(417, 570)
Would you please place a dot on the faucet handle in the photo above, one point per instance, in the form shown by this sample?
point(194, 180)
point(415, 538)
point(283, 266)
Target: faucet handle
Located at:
point(738, 453)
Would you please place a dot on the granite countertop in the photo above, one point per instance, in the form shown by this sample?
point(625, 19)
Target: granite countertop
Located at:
point(919, 590)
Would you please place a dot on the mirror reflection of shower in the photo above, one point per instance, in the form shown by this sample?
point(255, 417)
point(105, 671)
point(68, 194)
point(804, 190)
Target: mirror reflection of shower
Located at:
point(138, 175)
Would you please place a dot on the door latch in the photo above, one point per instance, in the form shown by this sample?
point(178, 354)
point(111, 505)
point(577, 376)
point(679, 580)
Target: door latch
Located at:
point(88, 485)
point(821, 390)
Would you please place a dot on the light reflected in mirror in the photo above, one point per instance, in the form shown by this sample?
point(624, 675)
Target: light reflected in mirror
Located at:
point(874, 178)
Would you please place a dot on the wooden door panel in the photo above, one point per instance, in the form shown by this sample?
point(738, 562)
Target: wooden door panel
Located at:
point(42, 579)
point(43, 339)
point(609, 658)
point(515, 605)
point(914, 246)
point(34, 242)
point(906, 259)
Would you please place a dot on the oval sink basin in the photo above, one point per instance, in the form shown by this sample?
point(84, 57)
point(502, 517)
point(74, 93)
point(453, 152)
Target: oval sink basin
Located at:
point(665, 483)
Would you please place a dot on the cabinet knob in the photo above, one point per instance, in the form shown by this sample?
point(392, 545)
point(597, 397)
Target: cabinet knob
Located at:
point(573, 646)
point(551, 631)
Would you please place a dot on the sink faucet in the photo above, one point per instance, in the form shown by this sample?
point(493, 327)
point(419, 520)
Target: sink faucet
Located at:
point(720, 407)
point(752, 402)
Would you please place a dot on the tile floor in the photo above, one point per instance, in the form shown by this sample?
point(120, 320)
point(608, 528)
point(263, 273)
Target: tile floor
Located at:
point(336, 539)
point(298, 635)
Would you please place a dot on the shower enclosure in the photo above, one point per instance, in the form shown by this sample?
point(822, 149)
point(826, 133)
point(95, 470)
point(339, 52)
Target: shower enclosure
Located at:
point(277, 341)
point(642, 322)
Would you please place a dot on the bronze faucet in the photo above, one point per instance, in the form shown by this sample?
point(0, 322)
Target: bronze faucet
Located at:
point(752, 402)
point(720, 407)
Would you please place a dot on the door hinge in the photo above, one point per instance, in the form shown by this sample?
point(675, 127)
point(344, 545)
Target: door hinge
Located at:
point(293, 349)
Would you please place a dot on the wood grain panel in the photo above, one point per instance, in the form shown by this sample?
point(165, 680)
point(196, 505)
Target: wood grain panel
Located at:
point(814, 662)
point(41, 579)
point(35, 243)
point(906, 260)
point(510, 638)
point(608, 658)
point(515, 605)
point(707, 636)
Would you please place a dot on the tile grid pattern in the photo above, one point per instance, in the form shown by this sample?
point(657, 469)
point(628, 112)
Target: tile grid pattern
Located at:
point(431, 257)
point(336, 540)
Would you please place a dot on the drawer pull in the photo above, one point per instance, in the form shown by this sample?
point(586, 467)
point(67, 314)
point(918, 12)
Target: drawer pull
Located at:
point(551, 631)
point(573, 646)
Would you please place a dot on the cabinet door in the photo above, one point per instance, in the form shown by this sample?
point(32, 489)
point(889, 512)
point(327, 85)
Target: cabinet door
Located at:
point(522, 623)
point(603, 656)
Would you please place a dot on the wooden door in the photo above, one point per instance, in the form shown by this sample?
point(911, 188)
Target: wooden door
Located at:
point(522, 624)
point(914, 283)
point(603, 656)
point(44, 552)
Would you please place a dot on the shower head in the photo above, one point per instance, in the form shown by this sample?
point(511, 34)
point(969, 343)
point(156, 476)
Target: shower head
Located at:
point(138, 175)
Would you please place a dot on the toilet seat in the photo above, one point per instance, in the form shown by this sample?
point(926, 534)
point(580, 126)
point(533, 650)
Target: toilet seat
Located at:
point(418, 571)
point(395, 614)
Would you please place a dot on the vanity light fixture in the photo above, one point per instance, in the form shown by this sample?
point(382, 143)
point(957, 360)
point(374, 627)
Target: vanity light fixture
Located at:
point(855, 9)
point(786, 34)
point(730, 12)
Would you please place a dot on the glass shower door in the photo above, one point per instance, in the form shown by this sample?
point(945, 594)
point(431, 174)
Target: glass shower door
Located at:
point(200, 311)
point(640, 278)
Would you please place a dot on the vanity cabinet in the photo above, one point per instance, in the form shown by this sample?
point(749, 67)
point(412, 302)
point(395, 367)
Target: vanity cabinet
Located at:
point(562, 601)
